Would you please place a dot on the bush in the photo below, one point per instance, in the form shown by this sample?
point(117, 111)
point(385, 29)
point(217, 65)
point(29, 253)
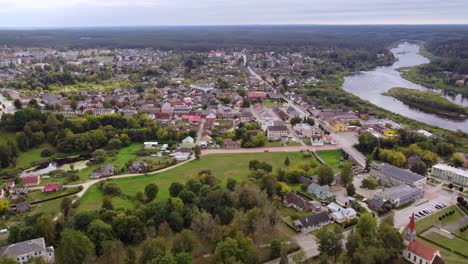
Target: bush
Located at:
point(370, 183)
point(110, 188)
point(46, 153)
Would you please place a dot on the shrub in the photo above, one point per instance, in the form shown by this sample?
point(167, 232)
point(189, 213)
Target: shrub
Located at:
point(46, 153)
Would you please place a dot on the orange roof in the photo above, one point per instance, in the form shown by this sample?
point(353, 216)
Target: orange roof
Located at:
point(424, 251)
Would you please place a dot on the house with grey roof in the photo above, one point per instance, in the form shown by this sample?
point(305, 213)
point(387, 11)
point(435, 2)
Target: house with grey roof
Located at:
point(321, 192)
point(23, 251)
point(389, 175)
point(311, 222)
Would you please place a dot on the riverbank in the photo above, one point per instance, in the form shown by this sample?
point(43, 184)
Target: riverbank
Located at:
point(434, 81)
point(429, 102)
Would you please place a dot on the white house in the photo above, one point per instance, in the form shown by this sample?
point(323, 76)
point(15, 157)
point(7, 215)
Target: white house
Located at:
point(150, 144)
point(188, 139)
point(23, 251)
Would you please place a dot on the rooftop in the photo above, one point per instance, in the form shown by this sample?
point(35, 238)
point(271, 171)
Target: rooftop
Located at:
point(396, 172)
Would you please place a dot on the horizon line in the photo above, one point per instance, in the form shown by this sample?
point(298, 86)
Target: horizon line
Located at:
point(225, 25)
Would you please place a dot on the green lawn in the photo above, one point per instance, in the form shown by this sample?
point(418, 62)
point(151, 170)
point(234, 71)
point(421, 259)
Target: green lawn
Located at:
point(307, 141)
point(455, 243)
point(274, 144)
point(39, 195)
point(331, 157)
point(271, 104)
point(223, 166)
point(433, 219)
point(119, 161)
point(27, 159)
point(448, 256)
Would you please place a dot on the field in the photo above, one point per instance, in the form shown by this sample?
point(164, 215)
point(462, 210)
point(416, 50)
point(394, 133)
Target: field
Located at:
point(223, 166)
point(331, 157)
point(433, 219)
point(455, 243)
point(271, 104)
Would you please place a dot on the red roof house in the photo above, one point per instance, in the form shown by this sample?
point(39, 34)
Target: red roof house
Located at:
point(257, 96)
point(31, 180)
point(50, 188)
point(417, 250)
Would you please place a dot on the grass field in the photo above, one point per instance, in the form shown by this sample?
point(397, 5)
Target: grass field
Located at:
point(223, 166)
point(271, 104)
point(119, 161)
point(331, 157)
point(433, 219)
point(455, 243)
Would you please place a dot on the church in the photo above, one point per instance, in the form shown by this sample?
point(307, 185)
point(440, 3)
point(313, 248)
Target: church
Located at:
point(417, 252)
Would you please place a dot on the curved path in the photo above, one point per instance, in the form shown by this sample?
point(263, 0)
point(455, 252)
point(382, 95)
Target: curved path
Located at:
point(88, 184)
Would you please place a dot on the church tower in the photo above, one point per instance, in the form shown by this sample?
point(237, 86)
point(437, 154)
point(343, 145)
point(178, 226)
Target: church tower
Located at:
point(411, 230)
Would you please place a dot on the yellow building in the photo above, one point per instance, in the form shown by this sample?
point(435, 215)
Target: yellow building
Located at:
point(337, 126)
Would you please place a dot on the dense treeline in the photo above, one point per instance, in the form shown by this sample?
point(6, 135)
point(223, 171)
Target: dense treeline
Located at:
point(209, 37)
point(200, 217)
point(431, 102)
point(84, 134)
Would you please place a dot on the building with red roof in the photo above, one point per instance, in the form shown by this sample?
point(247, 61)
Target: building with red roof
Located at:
point(257, 96)
point(51, 188)
point(416, 251)
point(31, 180)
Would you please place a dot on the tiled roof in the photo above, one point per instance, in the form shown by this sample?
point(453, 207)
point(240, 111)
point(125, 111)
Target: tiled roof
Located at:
point(22, 248)
point(420, 249)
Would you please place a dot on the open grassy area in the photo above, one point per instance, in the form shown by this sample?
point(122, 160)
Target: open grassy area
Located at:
point(27, 159)
point(39, 195)
point(433, 219)
point(331, 157)
point(271, 104)
point(455, 243)
point(223, 166)
point(119, 161)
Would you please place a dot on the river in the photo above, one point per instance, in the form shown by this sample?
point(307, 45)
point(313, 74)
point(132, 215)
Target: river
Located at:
point(370, 85)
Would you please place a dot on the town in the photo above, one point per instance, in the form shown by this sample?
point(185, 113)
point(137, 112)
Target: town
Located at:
point(105, 140)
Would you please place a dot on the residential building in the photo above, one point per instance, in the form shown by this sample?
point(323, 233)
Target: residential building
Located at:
point(400, 195)
point(23, 251)
point(390, 175)
point(231, 144)
point(277, 132)
point(321, 192)
point(22, 207)
point(138, 167)
point(317, 140)
point(104, 171)
point(341, 214)
point(451, 174)
point(292, 200)
point(50, 188)
point(257, 96)
point(31, 180)
point(311, 222)
point(180, 156)
point(150, 145)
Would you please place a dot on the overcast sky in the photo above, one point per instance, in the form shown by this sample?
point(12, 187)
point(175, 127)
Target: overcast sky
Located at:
point(85, 13)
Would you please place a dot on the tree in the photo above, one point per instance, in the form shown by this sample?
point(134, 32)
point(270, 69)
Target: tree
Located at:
point(460, 189)
point(346, 173)
point(450, 186)
point(197, 151)
point(114, 143)
point(151, 249)
point(419, 167)
point(99, 156)
point(295, 120)
point(367, 142)
point(4, 206)
point(65, 205)
point(299, 257)
point(113, 252)
point(231, 184)
point(175, 189)
point(370, 183)
point(98, 232)
point(74, 248)
point(17, 103)
point(151, 190)
point(275, 249)
point(350, 189)
point(458, 159)
point(111, 188)
point(232, 250)
point(175, 221)
point(183, 242)
point(286, 161)
point(330, 242)
point(246, 103)
point(45, 227)
point(107, 203)
point(325, 174)
point(366, 226)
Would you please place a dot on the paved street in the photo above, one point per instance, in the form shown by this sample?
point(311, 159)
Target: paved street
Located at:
point(6, 107)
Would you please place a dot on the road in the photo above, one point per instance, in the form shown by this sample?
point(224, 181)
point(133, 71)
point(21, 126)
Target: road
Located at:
point(347, 140)
point(269, 149)
point(200, 131)
point(7, 106)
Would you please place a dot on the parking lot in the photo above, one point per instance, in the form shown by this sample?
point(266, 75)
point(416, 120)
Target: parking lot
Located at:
point(432, 196)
